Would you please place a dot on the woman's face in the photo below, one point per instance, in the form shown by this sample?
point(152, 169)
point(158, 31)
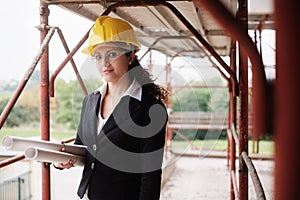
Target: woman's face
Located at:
point(112, 62)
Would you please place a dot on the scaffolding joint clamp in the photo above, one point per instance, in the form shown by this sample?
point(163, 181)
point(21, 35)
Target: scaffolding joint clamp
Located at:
point(43, 27)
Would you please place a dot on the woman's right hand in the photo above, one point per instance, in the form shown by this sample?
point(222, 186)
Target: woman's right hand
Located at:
point(67, 165)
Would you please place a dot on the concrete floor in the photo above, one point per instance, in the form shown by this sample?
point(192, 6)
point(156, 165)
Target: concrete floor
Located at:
point(193, 178)
point(208, 178)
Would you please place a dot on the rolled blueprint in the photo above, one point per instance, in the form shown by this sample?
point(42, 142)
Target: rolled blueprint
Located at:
point(21, 144)
point(45, 155)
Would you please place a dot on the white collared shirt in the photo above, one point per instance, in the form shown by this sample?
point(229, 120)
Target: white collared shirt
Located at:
point(134, 91)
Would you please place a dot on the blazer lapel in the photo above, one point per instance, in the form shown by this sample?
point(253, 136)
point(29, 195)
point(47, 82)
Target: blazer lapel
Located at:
point(93, 114)
point(125, 109)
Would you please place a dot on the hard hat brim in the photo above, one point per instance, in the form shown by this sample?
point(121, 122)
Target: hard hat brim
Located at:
point(121, 44)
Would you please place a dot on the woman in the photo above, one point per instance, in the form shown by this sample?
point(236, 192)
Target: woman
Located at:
point(123, 122)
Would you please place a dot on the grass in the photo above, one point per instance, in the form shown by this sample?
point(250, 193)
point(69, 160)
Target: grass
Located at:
point(35, 132)
point(265, 147)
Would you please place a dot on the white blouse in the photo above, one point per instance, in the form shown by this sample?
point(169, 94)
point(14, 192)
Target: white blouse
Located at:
point(134, 90)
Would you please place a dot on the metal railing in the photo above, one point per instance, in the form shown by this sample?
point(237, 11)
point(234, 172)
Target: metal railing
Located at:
point(17, 188)
point(260, 194)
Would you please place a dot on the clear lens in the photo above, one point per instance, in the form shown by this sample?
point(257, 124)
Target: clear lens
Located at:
point(108, 56)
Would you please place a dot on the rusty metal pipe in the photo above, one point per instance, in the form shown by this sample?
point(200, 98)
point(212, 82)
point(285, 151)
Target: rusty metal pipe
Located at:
point(148, 50)
point(234, 28)
point(234, 185)
point(185, 139)
point(260, 194)
point(200, 48)
point(191, 28)
point(287, 137)
point(243, 105)
point(262, 22)
point(68, 140)
point(5, 113)
point(67, 59)
point(237, 31)
point(234, 134)
point(232, 150)
point(57, 71)
point(45, 101)
point(212, 62)
point(12, 160)
point(232, 125)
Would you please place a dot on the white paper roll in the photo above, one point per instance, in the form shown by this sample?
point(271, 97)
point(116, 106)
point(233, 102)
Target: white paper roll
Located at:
point(21, 144)
point(45, 155)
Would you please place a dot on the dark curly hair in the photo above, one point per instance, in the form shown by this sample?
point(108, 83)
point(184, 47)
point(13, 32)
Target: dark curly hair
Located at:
point(144, 78)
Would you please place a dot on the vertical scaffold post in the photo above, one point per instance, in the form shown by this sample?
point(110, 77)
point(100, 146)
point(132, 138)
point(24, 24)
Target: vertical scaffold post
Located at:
point(232, 118)
point(169, 103)
point(287, 137)
point(44, 88)
point(243, 111)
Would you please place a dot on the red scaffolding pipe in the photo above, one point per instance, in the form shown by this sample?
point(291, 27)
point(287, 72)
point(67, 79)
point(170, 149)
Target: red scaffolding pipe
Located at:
point(12, 160)
point(5, 113)
point(196, 50)
point(190, 27)
point(65, 61)
point(243, 105)
point(45, 108)
point(287, 137)
point(232, 121)
point(259, 190)
point(235, 30)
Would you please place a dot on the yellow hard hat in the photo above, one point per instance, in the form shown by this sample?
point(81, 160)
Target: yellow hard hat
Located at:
point(107, 29)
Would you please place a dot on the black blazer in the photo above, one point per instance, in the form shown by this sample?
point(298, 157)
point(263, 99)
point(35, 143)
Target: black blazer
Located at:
point(124, 161)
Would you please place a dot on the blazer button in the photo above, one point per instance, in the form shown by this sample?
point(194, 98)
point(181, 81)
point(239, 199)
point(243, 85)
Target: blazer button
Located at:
point(94, 147)
point(92, 166)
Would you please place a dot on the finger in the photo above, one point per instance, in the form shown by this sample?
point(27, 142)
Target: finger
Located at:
point(71, 162)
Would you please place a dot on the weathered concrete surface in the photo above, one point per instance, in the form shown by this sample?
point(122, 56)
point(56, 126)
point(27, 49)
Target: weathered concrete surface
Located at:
point(208, 178)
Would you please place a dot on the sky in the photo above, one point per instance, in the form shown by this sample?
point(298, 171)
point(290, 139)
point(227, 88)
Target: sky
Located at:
point(20, 39)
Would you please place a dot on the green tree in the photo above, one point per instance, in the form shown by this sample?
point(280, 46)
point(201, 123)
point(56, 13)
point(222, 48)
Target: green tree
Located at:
point(191, 100)
point(219, 100)
point(66, 105)
point(62, 103)
point(20, 114)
